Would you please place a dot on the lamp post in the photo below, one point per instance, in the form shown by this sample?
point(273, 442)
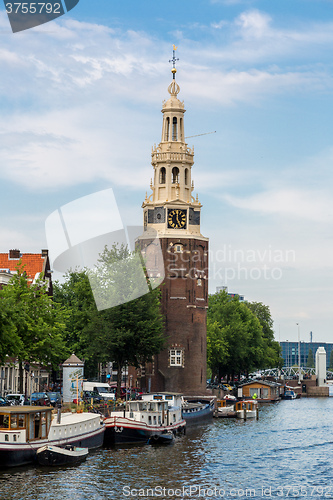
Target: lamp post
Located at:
point(299, 354)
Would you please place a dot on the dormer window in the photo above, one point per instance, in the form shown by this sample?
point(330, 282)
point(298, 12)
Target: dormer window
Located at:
point(178, 248)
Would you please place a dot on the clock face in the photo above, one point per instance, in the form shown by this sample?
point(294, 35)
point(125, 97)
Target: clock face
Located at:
point(177, 218)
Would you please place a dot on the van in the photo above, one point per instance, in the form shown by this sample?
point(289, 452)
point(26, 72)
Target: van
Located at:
point(16, 399)
point(103, 389)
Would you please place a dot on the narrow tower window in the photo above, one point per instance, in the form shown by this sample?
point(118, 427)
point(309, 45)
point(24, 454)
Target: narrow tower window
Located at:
point(181, 129)
point(167, 128)
point(186, 176)
point(162, 175)
point(174, 129)
point(175, 175)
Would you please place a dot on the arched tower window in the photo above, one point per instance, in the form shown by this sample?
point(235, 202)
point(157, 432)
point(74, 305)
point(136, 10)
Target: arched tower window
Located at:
point(181, 129)
point(167, 128)
point(162, 175)
point(174, 129)
point(175, 175)
point(186, 176)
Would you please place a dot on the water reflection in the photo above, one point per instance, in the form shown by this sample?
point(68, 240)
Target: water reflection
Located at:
point(291, 443)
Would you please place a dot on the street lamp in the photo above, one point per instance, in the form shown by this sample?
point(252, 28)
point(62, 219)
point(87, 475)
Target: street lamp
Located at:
point(299, 354)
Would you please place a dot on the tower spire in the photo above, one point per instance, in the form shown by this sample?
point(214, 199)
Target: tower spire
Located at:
point(173, 60)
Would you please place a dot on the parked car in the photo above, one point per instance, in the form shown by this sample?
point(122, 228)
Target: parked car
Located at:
point(40, 399)
point(92, 395)
point(5, 402)
point(16, 399)
point(55, 398)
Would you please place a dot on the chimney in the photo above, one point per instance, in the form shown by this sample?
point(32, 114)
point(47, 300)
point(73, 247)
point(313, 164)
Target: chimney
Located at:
point(14, 254)
point(45, 253)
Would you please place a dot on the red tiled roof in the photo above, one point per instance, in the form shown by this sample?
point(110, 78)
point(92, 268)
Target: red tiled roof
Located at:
point(34, 263)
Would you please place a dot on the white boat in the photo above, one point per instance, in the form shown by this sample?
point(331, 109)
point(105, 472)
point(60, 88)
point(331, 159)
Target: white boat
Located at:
point(24, 429)
point(246, 409)
point(145, 421)
point(54, 455)
point(225, 408)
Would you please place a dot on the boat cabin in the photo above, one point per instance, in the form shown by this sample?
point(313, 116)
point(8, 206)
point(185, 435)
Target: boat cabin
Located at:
point(149, 412)
point(21, 424)
point(173, 401)
point(261, 390)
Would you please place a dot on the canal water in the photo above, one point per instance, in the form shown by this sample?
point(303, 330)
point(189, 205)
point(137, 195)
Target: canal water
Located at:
point(287, 453)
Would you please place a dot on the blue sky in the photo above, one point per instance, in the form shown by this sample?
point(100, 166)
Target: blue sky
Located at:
point(80, 102)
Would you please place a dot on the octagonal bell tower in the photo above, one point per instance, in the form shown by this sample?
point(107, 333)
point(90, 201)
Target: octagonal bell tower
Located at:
point(174, 213)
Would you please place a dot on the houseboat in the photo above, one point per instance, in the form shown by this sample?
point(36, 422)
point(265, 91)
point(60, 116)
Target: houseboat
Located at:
point(264, 391)
point(197, 410)
point(194, 409)
point(24, 429)
point(144, 421)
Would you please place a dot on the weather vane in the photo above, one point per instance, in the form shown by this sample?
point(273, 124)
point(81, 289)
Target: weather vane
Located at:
point(173, 60)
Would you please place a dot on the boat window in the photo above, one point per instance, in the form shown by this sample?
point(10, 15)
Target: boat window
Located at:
point(14, 437)
point(159, 419)
point(13, 421)
point(6, 437)
point(155, 419)
point(21, 421)
point(4, 421)
point(149, 419)
point(43, 422)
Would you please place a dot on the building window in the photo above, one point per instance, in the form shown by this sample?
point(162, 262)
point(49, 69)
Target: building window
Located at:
point(178, 248)
point(176, 357)
point(167, 127)
point(175, 175)
point(162, 175)
point(174, 129)
point(186, 176)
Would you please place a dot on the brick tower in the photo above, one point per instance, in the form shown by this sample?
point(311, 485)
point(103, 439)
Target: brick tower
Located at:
point(174, 214)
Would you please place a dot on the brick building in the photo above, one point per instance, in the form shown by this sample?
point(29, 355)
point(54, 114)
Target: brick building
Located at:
point(173, 213)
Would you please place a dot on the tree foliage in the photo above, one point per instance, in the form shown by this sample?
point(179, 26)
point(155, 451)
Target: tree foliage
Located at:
point(331, 361)
point(76, 296)
point(240, 338)
point(34, 321)
point(129, 333)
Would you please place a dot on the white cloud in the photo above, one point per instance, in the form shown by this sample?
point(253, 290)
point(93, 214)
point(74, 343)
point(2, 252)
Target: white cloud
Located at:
point(307, 204)
point(254, 24)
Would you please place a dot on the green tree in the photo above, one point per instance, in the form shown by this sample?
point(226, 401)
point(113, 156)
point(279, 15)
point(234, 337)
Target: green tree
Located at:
point(37, 324)
point(131, 332)
point(217, 349)
point(239, 332)
point(272, 350)
point(75, 294)
point(10, 342)
point(310, 361)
